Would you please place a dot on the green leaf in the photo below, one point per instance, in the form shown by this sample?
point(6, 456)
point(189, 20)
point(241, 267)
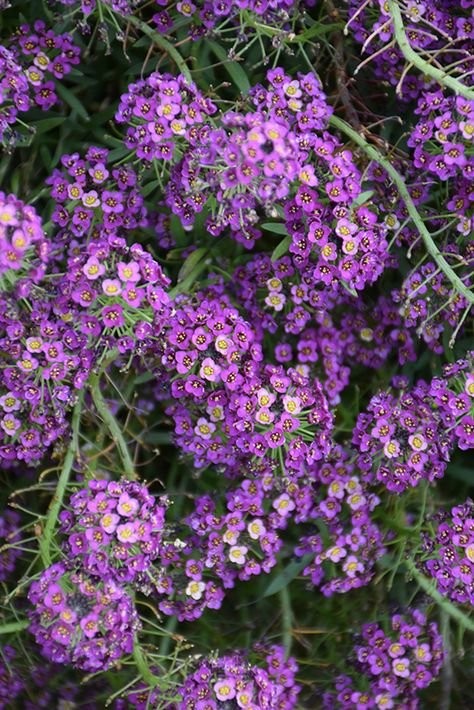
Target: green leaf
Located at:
point(282, 248)
point(287, 575)
point(275, 227)
point(72, 101)
point(191, 263)
point(47, 124)
point(349, 289)
point(144, 377)
point(148, 189)
point(319, 29)
point(235, 71)
point(363, 197)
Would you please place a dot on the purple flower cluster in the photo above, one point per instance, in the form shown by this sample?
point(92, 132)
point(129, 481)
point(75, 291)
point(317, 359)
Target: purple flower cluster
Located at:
point(22, 242)
point(118, 294)
point(454, 395)
point(9, 535)
point(223, 542)
point(253, 159)
point(163, 114)
point(14, 93)
point(95, 199)
point(122, 7)
point(280, 295)
point(11, 683)
point(447, 553)
point(443, 137)
point(84, 621)
point(208, 15)
point(262, 679)
point(402, 437)
point(113, 530)
point(29, 63)
point(348, 542)
point(430, 303)
point(334, 330)
point(227, 406)
point(391, 667)
point(441, 27)
point(44, 362)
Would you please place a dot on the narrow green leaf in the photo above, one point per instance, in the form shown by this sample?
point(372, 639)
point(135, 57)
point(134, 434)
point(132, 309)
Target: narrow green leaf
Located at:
point(72, 101)
point(275, 227)
point(281, 249)
point(144, 377)
point(191, 263)
point(287, 575)
point(47, 124)
point(235, 71)
point(148, 189)
point(363, 197)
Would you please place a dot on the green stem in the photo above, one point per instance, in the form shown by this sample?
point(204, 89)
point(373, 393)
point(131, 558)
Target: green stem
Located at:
point(143, 667)
point(430, 245)
point(430, 588)
point(412, 57)
point(163, 44)
point(55, 505)
point(112, 424)
point(286, 619)
point(14, 626)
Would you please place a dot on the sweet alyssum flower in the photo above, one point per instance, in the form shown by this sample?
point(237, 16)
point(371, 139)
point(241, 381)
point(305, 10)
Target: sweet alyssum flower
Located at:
point(80, 620)
point(113, 528)
point(258, 678)
point(402, 438)
point(351, 541)
point(447, 553)
point(9, 535)
point(454, 395)
point(24, 250)
point(227, 405)
point(391, 665)
point(94, 197)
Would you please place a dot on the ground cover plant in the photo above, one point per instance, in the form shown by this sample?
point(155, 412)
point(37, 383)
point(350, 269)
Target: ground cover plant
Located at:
point(236, 354)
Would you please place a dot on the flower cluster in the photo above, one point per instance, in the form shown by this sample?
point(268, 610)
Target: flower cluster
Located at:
point(218, 544)
point(348, 542)
point(84, 621)
point(163, 114)
point(253, 159)
point(454, 395)
point(228, 406)
point(207, 16)
point(438, 27)
point(261, 679)
point(281, 295)
point(43, 57)
point(391, 667)
point(14, 94)
point(113, 529)
point(11, 683)
point(117, 293)
point(94, 198)
point(9, 535)
point(443, 137)
point(447, 553)
point(430, 303)
point(45, 361)
point(402, 437)
point(24, 250)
